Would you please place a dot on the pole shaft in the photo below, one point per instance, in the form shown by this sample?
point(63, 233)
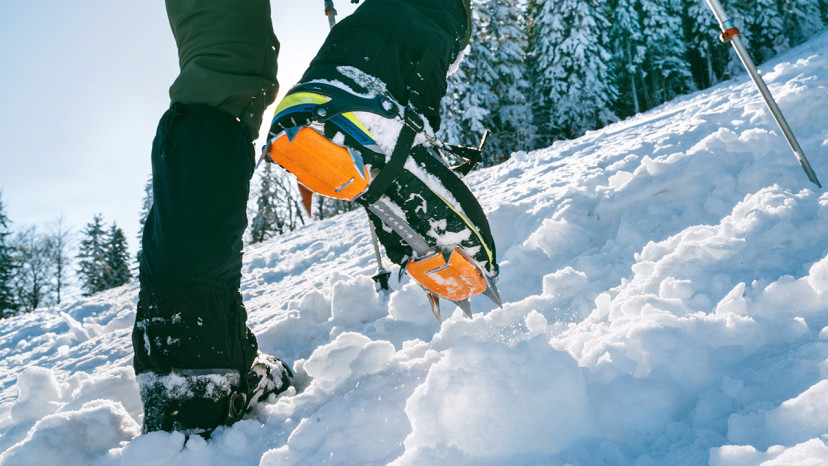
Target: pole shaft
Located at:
point(725, 23)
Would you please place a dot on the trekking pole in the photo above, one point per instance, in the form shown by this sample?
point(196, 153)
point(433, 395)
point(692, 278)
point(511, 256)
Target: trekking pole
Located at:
point(383, 274)
point(730, 33)
point(330, 12)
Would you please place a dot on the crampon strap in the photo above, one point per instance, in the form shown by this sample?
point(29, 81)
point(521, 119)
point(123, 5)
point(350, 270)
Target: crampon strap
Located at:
point(378, 187)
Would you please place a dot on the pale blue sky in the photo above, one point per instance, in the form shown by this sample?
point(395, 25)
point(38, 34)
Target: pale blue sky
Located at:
point(82, 86)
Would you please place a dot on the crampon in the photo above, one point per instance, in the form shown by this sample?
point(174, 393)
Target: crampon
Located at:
point(430, 220)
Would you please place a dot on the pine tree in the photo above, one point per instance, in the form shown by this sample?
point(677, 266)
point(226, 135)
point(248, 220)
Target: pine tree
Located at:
point(116, 269)
point(764, 25)
point(704, 50)
point(92, 258)
point(451, 127)
point(573, 71)
point(627, 41)
point(477, 98)
point(8, 303)
point(146, 205)
point(512, 125)
point(802, 19)
point(668, 73)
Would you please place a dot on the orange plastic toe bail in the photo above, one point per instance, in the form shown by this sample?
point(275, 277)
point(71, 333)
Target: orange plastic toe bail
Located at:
point(322, 166)
point(456, 280)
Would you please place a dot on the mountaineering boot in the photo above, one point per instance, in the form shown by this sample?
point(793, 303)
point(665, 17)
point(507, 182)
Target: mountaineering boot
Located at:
point(347, 137)
point(359, 126)
point(268, 376)
point(197, 401)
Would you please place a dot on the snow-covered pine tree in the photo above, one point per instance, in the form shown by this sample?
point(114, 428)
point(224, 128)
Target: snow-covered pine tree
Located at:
point(764, 24)
point(513, 128)
point(146, 205)
point(116, 270)
point(668, 72)
point(92, 257)
point(535, 28)
point(573, 73)
point(705, 51)
point(451, 126)
point(802, 19)
point(823, 7)
point(470, 93)
point(627, 45)
point(8, 303)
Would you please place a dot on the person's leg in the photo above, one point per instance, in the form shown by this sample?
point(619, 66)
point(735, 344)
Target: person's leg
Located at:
point(408, 45)
point(193, 349)
point(380, 72)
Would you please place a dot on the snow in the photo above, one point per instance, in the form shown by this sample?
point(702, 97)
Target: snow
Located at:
point(664, 284)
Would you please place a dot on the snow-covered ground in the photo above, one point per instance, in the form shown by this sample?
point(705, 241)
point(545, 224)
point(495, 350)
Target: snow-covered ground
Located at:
point(665, 285)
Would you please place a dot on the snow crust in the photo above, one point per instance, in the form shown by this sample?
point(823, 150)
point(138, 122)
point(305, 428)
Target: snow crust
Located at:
point(665, 288)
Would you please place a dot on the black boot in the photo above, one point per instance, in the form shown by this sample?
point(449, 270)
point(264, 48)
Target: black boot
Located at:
point(196, 401)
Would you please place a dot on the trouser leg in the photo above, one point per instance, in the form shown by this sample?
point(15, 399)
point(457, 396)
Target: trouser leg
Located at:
point(190, 312)
point(407, 44)
point(192, 345)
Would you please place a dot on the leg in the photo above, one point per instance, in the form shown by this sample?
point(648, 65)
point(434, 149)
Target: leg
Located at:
point(406, 44)
point(361, 139)
point(193, 349)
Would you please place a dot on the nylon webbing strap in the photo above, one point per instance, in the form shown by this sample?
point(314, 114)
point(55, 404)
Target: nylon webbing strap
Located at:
point(413, 125)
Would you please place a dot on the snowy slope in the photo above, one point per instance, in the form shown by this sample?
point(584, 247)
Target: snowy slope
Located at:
point(665, 285)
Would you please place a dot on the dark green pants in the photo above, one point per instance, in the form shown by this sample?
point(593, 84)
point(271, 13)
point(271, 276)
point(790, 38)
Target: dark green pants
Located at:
point(190, 313)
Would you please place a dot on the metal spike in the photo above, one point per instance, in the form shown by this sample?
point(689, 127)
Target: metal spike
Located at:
point(447, 255)
point(435, 305)
point(292, 132)
point(465, 305)
point(492, 293)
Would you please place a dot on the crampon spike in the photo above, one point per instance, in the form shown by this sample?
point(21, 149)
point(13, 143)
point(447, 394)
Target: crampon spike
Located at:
point(307, 197)
point(465, 305)
point(435, 305)
point(492, 293)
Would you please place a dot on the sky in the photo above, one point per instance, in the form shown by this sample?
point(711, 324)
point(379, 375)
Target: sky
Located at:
point(82, 86)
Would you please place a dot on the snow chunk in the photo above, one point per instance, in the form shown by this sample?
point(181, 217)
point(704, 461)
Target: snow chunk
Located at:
point(818, 277)
point(351, 354)
point(151, 448)
point(356, 301)
point(74, 437)
point(565, 283)
point(795, 420)
point(813, 452)
point(38, 394)
point(468, 403)
point(410, 304)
